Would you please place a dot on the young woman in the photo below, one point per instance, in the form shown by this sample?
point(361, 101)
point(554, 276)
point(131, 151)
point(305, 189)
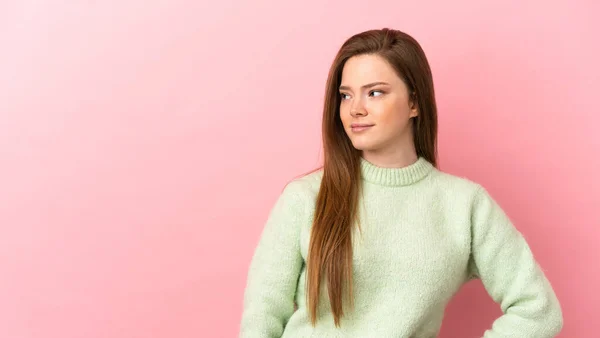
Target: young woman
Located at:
point(377, 241)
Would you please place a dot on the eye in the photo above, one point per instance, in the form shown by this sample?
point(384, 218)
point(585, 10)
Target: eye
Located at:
point(343, 96)
point(376, 91)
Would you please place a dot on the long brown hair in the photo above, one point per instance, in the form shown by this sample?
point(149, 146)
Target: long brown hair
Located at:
point(330, 248)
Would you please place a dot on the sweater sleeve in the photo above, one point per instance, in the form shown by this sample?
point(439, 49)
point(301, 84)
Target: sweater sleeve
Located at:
point(275, 268)
point(504, 262)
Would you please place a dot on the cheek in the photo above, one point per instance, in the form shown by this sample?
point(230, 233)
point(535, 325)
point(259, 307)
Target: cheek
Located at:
point(344, 113)
point(343, 109)
point(385, 111)
point(393, 116)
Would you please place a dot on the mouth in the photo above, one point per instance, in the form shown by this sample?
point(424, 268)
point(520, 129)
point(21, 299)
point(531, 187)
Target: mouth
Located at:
point(360, 127)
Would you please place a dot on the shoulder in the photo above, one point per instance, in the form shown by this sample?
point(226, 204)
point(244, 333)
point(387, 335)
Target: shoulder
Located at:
point(470, 193)
point(305, 186)
point(296, 201)
point(455, 184)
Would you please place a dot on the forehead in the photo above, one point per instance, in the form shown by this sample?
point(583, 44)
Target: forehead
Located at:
point(367, 68)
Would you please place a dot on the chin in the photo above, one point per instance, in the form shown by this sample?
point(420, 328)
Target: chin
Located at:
point(364, 146)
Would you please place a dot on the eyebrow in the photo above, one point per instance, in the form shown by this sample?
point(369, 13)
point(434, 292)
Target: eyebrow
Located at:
point(366, 86)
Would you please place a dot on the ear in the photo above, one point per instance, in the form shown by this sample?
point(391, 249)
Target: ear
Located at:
point(414, 106)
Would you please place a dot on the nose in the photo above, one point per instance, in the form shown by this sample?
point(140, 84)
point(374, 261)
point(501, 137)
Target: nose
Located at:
point(356, 107)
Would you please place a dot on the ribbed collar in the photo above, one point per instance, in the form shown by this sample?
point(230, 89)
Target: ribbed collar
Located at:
point(395, 176)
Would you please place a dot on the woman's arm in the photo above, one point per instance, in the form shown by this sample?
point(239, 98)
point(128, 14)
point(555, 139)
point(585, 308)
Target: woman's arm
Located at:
point(275, 268)
point(503, 261)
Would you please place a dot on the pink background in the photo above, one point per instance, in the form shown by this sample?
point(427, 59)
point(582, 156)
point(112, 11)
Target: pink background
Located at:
point(142, 144)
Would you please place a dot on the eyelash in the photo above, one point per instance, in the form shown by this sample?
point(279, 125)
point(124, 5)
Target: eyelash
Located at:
point(372, 91)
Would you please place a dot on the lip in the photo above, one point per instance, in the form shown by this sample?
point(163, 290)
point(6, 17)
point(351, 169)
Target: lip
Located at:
point(360, 126)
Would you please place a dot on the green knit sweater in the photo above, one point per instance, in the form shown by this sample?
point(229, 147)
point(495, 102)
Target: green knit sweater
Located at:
point(424, 234)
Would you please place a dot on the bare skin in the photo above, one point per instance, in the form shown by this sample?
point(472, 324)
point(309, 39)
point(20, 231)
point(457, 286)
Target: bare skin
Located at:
point(372, 93)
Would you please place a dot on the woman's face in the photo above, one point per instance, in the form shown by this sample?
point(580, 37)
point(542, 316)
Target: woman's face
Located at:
point(372, 94)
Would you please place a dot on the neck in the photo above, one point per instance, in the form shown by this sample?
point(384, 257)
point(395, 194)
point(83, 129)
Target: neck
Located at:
point(399, 158)
point(395, 176)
